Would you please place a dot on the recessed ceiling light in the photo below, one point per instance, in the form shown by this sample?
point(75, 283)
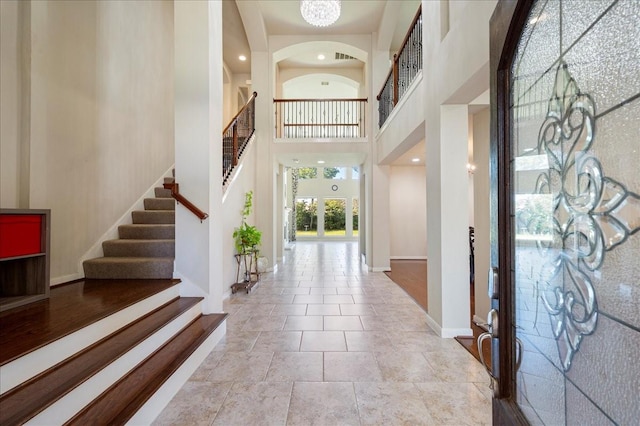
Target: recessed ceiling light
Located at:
point(321, 57)
point(415, 160)
point(320, 161)
point(242, 58)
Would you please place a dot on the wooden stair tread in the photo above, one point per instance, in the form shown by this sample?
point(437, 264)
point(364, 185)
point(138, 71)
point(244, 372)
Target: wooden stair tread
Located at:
point(69, 308)
point(122, 400)
point(28, 399)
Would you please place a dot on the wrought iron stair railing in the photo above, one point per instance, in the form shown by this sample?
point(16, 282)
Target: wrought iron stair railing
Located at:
point(407, 63)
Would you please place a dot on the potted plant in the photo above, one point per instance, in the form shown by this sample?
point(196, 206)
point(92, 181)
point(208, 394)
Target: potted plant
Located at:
point(247, 238)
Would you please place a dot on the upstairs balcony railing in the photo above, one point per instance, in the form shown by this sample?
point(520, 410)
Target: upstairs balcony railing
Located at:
point(320, 118)
point(407, 63)
point(236, 136)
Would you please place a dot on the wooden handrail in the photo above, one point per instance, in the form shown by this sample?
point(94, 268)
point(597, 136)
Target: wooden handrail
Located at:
point(175, 193)
point(246, 105)
point(322, 100)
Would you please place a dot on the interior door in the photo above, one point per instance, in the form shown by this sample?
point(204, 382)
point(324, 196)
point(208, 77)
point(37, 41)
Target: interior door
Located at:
point(565, 285)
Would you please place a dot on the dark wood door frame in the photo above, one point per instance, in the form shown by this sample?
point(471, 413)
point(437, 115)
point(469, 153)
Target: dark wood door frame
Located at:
point(507, 22)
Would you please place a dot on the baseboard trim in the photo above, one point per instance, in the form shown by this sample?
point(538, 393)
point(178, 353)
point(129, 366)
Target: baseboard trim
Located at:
point(380, 268)
point(65, 279)
point(447, 333)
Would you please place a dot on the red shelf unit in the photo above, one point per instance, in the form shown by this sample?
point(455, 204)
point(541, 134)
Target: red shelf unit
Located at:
point(24, 256)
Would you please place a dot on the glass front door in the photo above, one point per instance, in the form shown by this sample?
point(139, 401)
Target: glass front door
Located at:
point(568, 245)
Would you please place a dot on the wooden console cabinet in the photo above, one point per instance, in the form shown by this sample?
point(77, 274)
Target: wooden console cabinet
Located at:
point(24, 256)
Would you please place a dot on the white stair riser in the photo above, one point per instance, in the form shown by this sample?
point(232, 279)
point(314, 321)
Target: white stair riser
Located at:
point(66, 407)
point(22, 369)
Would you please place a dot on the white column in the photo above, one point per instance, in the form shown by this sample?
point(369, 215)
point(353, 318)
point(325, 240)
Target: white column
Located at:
point(265, 194)
point(378, 257)
point(348, 216)
point(448, 221)
point(198, 130)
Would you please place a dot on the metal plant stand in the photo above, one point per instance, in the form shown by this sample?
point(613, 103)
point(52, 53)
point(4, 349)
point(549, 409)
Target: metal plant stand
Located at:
point(247, 269)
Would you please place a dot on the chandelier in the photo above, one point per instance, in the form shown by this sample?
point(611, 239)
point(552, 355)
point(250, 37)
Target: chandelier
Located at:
point(320, 13)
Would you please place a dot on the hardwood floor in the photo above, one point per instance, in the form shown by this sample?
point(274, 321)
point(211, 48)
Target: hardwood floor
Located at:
point(70, 307)
point(411, 275)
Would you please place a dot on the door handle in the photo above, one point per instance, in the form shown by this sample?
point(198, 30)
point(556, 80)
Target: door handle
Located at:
point(494, 380)
point(492, 323)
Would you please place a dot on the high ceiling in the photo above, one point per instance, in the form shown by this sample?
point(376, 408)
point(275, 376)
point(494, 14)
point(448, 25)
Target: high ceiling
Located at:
point(282, 17)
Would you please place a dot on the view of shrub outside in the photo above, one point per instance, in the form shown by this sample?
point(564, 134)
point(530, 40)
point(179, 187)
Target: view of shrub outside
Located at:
point(335, 209)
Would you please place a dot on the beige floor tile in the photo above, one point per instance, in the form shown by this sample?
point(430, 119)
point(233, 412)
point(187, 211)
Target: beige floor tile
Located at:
point(296, 290)
point(255, 404)
point(349, 290)
point(289, 310)
point(296, 322)
point(272, 299)
point(456, 403)
point(278, 341)
point(323, 290)
point(323, 341)
point(301, 298)
point(323, 404)
point(261, 308)
point(315, 333)
point(351, 367)
point(364, 298)
point(379, 322)
point(296, 367)
point(338, 298)
point(405, 367)
point(237, 341)
point(456, 366)
point(342, 323)
point(368, 341)
point(391, 404)
point(418, 341)
point(357, 309)
point(197, 403)
point(241, 367)
point(207, 366)
point(265, 323)
point(323, 310)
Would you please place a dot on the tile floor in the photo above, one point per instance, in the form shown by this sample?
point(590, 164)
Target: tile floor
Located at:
point(321, 341)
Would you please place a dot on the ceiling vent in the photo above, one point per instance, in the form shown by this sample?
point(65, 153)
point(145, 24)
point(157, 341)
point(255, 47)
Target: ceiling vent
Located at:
point(343, 56)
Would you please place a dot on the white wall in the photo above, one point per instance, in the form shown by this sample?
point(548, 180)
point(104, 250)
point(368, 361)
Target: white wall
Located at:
point(408, 209)
point(198, 145)
point(101, 127)
point(481, 123)
point(243, 181)
point(458, 72)
point(10, 103)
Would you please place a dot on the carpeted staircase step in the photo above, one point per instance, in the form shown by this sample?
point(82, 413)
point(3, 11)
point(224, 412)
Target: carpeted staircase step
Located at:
point(159, 204)
point(147, 232)
point(153, 216)
point(139, 248)
point(169, 179)
point(25, 401)
point(122, 400)
point(162, 193)
point(129, 268)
